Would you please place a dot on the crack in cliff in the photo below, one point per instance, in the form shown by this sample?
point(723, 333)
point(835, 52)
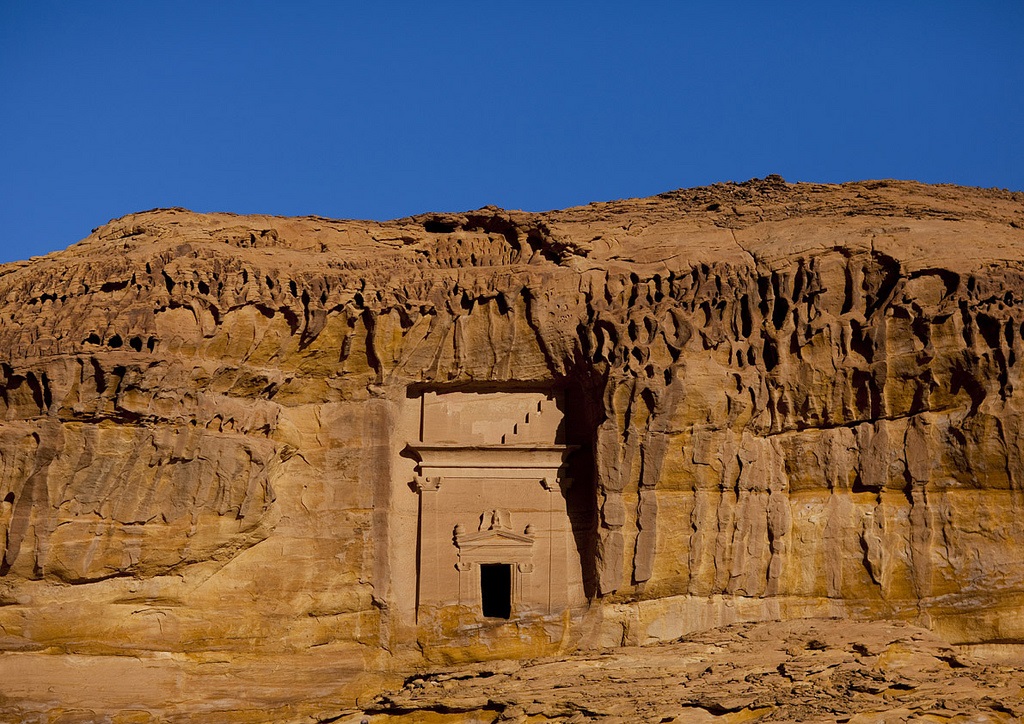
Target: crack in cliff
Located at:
point(753, 258)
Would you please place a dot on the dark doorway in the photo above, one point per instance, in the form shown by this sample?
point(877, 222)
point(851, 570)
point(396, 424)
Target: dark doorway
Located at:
point(496, 589)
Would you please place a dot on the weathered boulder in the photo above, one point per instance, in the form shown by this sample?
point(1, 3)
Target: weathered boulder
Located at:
point(780, 400)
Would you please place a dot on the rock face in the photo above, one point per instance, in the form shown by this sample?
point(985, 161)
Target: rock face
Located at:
point(750, 401)
point(795, 671)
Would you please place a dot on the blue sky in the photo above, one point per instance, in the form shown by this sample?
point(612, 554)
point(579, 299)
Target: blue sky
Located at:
point(386, 109)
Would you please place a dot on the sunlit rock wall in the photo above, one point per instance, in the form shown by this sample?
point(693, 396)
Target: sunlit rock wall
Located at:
point(789, 400)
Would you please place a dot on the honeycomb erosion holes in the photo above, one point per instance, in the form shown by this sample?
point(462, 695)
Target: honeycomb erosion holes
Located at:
point(786, 399)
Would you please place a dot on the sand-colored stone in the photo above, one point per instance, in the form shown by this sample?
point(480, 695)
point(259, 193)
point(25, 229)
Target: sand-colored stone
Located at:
point(810, 670)
point(775, 401)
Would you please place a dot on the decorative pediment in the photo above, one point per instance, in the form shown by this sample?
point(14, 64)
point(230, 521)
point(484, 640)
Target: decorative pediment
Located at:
point(495, 531)
point(497, 538)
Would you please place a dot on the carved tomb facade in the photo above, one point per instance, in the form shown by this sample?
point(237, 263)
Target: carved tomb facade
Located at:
point(494, 535)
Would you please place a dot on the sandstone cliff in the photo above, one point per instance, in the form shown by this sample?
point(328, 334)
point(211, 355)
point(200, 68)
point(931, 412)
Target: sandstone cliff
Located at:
point(788, 400)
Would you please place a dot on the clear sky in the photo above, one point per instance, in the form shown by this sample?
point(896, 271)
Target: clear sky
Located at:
point(386, 109)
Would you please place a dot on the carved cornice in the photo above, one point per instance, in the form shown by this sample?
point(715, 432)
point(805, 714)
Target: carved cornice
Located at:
point(492, 461)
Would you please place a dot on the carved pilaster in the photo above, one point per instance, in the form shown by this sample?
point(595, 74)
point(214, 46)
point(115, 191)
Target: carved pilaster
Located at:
point(425, 484)
point(430, 549)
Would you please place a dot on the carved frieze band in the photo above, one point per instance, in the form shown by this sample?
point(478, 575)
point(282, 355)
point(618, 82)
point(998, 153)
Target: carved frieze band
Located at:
point(464, 566)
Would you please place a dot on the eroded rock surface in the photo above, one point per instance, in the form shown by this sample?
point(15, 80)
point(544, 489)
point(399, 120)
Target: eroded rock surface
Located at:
point(786, 400)
point(796, 671)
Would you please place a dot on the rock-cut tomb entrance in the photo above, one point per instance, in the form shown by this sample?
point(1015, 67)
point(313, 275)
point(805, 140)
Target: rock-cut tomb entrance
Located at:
point(494, 536)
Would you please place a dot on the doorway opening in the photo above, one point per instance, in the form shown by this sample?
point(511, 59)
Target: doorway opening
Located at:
point(496, 589)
